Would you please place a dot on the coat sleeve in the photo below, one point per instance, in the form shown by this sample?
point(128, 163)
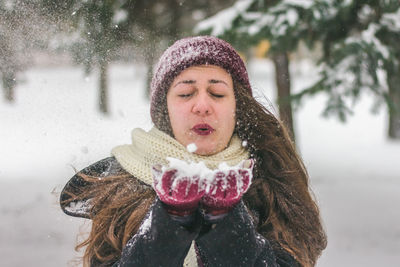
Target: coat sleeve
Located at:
point(160, 241)
point(233, 241)
point(70, 200)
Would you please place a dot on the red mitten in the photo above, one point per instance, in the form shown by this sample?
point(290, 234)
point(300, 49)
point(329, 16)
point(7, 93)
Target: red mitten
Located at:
point(227, 188)
point(181, 195)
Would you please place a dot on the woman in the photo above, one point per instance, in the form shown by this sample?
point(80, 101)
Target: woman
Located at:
point(166, 200)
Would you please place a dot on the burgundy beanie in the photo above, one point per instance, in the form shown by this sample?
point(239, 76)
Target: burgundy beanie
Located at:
point(187, 52)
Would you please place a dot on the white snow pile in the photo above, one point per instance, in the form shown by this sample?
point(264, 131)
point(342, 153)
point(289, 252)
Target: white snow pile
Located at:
point(369, 37)
point(280, 18)
point(392, 21)
point(222, 21)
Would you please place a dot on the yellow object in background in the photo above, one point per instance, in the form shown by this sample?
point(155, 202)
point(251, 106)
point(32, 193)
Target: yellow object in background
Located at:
point(262, 48)
point(258, 51)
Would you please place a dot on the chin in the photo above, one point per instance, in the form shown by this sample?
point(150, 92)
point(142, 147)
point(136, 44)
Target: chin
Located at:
point(207, 151)
point(203, 152)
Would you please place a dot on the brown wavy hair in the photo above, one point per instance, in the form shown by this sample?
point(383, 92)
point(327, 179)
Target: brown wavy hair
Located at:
point(279, 194)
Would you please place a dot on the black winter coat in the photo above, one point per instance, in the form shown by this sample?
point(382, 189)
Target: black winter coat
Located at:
point(164, 241)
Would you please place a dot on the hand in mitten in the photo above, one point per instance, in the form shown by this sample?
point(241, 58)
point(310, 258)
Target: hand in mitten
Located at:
point(181, 195)
point(227, 188)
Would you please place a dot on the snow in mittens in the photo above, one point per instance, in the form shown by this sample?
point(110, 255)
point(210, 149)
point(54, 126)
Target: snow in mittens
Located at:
point(206, 177)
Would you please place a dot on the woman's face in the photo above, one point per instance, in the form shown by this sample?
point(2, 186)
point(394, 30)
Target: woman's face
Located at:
point(201, 107)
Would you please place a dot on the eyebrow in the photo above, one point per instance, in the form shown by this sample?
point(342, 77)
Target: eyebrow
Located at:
point(213, 81)
point(217, 81)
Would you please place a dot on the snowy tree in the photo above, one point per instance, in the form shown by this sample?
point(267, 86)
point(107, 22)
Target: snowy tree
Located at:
point(8, 59)
point(97, 33)
point(101, 28)
point(230, 23)
point(359, 39)
point(99, 25)
point(153, 23)
point(157, 24)
point(15, 40)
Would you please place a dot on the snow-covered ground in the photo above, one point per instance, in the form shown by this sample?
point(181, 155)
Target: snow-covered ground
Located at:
point(54, 128)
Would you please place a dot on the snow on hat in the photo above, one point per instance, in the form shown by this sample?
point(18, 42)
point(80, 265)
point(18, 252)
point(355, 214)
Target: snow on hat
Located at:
point(187, 52)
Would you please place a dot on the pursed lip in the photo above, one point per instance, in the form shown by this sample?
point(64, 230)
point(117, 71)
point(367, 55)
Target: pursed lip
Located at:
point(203, 129)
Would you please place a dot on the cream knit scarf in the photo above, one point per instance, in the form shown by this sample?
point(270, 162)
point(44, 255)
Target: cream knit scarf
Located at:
point(153, 147)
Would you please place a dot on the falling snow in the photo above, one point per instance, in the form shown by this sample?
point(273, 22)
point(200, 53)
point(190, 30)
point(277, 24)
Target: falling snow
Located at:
point(191, 148)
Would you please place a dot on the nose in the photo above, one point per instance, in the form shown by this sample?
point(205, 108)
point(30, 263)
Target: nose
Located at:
point(202, 105)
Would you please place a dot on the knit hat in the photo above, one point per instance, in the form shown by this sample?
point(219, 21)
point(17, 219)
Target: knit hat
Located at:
point(187, 52)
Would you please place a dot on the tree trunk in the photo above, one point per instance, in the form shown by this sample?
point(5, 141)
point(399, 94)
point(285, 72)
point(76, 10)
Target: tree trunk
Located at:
point(149, 61)
point(394, 107)
point(282, 77)
point(149, 74)
point(175, 19)
point(9, 83)
point(103, 99)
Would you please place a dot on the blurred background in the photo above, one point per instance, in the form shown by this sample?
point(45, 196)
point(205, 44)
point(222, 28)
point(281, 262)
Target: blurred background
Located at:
point(74, 79)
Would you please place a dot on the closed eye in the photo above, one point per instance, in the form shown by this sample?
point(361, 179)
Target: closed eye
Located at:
point(184, 95)
point(217, 95)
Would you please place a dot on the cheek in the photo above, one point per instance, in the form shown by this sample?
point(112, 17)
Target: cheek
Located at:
point(232, 121)
point(177, 112)
point(230, 115)
point(178, 116)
